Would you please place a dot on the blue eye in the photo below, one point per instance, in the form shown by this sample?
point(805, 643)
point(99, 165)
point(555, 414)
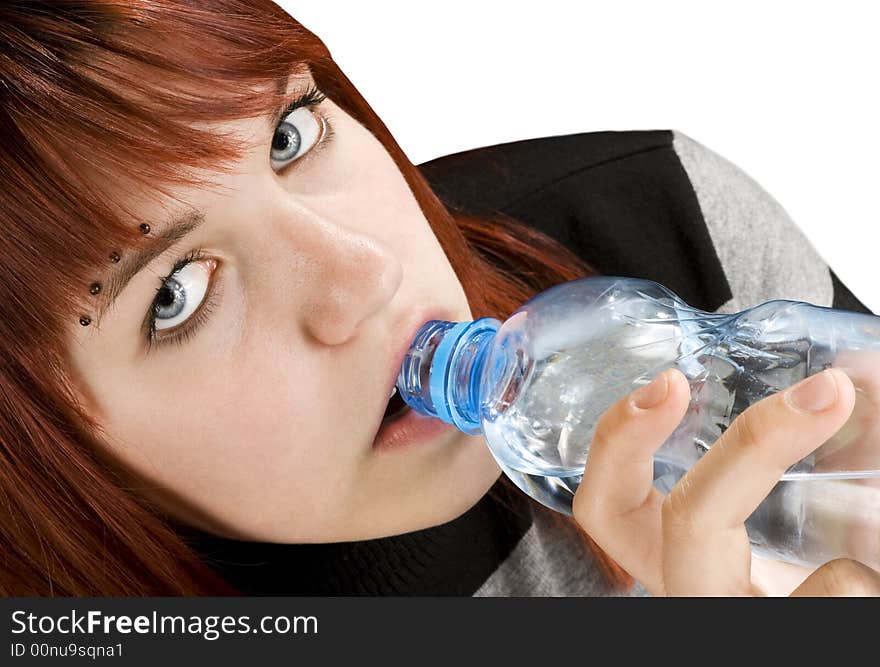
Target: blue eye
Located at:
point(183, 300)
point(295, 136)
point(180, 295)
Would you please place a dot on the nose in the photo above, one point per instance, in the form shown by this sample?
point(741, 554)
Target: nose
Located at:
point(353, 275)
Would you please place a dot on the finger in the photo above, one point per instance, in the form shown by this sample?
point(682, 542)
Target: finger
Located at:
point(853, 446)
point(705, 546)
point(863, 368)
point(616, 502)
point(841, 577)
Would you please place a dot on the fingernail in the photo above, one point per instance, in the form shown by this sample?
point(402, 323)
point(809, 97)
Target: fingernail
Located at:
point(816, 393)
point(652, 393)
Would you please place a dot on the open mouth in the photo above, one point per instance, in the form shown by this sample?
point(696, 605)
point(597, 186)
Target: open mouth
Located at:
point(395, 408)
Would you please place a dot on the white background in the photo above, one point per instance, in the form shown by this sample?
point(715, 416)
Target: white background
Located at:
point(786, 90)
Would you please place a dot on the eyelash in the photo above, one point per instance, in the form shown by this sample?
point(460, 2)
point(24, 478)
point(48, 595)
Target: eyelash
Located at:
point(310, 99)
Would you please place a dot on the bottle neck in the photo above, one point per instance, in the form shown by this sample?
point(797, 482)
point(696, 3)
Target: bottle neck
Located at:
point(441, 373)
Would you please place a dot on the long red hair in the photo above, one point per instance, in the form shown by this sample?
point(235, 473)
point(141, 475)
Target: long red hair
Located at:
point(96, 92)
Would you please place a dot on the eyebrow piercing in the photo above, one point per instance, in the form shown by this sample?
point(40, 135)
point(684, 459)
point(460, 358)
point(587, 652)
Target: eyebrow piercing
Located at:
point(94, 288)
point(85, 320)
point(144, 227)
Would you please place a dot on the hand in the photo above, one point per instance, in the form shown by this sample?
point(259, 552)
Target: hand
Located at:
point(693, 541)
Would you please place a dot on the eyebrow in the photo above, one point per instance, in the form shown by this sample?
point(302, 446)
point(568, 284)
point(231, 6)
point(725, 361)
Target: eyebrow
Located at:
point(134, 261)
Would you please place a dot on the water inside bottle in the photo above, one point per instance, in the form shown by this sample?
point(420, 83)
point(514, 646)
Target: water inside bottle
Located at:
point(542, 436)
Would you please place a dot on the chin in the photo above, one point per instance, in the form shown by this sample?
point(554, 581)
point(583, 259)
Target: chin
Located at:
point(446, 488)
point(461, 477)
point(482, 471)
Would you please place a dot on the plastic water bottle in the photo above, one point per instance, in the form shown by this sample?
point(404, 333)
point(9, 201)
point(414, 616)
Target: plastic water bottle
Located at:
point(536, 385)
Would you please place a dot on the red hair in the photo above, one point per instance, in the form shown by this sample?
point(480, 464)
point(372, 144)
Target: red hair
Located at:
point(96, 92)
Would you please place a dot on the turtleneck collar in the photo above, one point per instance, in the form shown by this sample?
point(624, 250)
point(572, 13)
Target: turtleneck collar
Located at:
point(453, 558)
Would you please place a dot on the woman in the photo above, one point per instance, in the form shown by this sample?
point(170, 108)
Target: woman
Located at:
point(214, 254)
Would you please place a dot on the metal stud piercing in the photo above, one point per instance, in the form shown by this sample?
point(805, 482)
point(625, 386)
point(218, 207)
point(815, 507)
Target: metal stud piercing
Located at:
point(95, 288)
point(114, 256)
point(144, 227)
point(85, 320)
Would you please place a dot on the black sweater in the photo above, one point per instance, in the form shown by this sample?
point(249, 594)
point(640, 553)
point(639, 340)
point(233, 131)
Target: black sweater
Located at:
point(652, 204)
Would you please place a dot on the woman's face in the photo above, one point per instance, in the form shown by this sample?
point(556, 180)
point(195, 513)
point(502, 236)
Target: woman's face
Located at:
point(257, 419)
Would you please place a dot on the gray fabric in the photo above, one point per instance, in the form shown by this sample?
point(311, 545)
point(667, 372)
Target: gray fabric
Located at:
point(549, 562)
point(762, 251)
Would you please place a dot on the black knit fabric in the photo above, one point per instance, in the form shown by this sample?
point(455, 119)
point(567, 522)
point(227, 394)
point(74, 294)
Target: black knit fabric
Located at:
point(844, 299)
point(454, 558)
point(620, 200)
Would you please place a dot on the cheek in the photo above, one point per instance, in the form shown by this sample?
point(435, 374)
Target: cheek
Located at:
point(365, 190)
point(234, 439)
point(360, 186)
point(389, 208)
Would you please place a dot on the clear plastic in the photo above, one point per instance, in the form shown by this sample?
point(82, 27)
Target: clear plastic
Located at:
point(536, 385)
